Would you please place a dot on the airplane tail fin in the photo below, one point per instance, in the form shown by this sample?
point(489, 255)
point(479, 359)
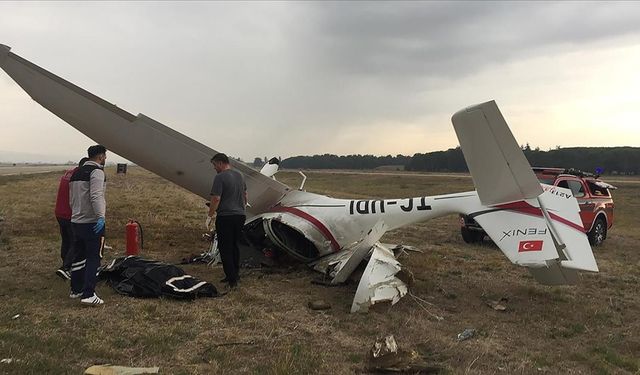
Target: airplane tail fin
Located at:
point(536, 228)
point(500, 171)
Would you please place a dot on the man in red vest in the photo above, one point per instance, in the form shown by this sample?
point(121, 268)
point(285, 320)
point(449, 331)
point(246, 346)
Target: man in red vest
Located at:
point(63, 214)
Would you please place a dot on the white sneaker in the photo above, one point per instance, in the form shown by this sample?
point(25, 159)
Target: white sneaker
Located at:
point(75, 295)
point(92, 301)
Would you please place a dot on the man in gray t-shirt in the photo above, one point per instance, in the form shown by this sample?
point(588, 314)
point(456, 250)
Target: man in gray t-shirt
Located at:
point(228, 201)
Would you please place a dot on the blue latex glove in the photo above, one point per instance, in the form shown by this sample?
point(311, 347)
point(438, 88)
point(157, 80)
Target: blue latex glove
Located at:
point(99, 226)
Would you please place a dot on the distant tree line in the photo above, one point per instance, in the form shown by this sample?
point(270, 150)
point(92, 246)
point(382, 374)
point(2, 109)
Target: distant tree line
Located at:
point(328, 161)
point(613, 160)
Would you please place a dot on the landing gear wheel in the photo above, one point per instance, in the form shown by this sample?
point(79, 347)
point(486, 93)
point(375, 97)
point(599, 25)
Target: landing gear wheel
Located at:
point(598, 233)
point(471, 236)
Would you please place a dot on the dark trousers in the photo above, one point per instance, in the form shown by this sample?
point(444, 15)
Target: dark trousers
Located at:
point(229, 231)
point(67, 252)
point(88, 251)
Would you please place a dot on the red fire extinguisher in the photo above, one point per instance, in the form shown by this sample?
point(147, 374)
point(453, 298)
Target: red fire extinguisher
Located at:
point(134, 237)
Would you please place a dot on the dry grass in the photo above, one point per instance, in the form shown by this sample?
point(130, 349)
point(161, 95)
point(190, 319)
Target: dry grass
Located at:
point(589, 328)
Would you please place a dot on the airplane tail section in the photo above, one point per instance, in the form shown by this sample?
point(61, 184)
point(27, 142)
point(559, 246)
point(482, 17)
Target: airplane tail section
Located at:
point(543, 234)
point(536, 228)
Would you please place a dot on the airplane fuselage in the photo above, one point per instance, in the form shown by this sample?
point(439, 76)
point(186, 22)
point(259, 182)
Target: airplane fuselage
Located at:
point(332, 225)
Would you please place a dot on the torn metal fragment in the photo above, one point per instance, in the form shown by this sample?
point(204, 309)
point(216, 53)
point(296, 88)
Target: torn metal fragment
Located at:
point(378, 282)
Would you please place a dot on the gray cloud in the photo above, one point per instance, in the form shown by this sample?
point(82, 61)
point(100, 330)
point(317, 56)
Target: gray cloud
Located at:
point(436, 39)
point(288, 78)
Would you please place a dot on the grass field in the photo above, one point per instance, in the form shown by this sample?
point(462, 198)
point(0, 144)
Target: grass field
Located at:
point(265, 327)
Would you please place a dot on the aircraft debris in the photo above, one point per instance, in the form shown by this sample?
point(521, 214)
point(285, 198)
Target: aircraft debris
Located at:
point(497, 305)
point(385, 357)
point(401, 247)
point(7, 361)
point(466, 334)
point(384, 346)
point(15, 317)
point(378, 282)
point(319, 305)
point(120, 370)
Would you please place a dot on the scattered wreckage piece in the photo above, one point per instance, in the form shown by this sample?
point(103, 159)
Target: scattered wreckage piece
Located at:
point(385, 357)
point(137, 277)
point(499, 305)
point(378, 282)
point(466, 334)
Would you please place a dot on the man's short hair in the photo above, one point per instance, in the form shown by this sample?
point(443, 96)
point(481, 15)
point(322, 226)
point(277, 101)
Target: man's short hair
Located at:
point(220, 157)
point(95, 150)
point(82, 161)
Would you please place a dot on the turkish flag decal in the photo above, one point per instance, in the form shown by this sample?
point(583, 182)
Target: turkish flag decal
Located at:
point(530, 246)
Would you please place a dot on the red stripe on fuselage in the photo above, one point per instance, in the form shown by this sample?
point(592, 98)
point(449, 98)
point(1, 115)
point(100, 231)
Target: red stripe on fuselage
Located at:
point(526, 208)
point(315, 222)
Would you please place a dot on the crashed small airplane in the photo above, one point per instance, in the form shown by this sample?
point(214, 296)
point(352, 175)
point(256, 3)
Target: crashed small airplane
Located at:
point(335, 235)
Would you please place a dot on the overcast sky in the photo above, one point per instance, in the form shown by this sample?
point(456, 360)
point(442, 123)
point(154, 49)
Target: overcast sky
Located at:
point(302, 78)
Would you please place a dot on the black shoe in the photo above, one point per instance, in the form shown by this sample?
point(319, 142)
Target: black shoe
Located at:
point(63, 274)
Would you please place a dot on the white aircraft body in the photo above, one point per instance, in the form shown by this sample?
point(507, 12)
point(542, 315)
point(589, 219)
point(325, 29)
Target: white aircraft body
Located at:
point(535, 225)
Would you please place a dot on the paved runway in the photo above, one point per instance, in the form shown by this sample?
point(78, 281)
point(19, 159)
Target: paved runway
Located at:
point(9, 170)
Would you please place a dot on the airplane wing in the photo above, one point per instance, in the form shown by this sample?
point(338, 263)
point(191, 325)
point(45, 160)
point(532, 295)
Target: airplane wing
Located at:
point(139, 139)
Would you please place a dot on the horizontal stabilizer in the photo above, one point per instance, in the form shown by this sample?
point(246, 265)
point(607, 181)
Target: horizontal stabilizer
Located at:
point(500, 171)
point(544, 234)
